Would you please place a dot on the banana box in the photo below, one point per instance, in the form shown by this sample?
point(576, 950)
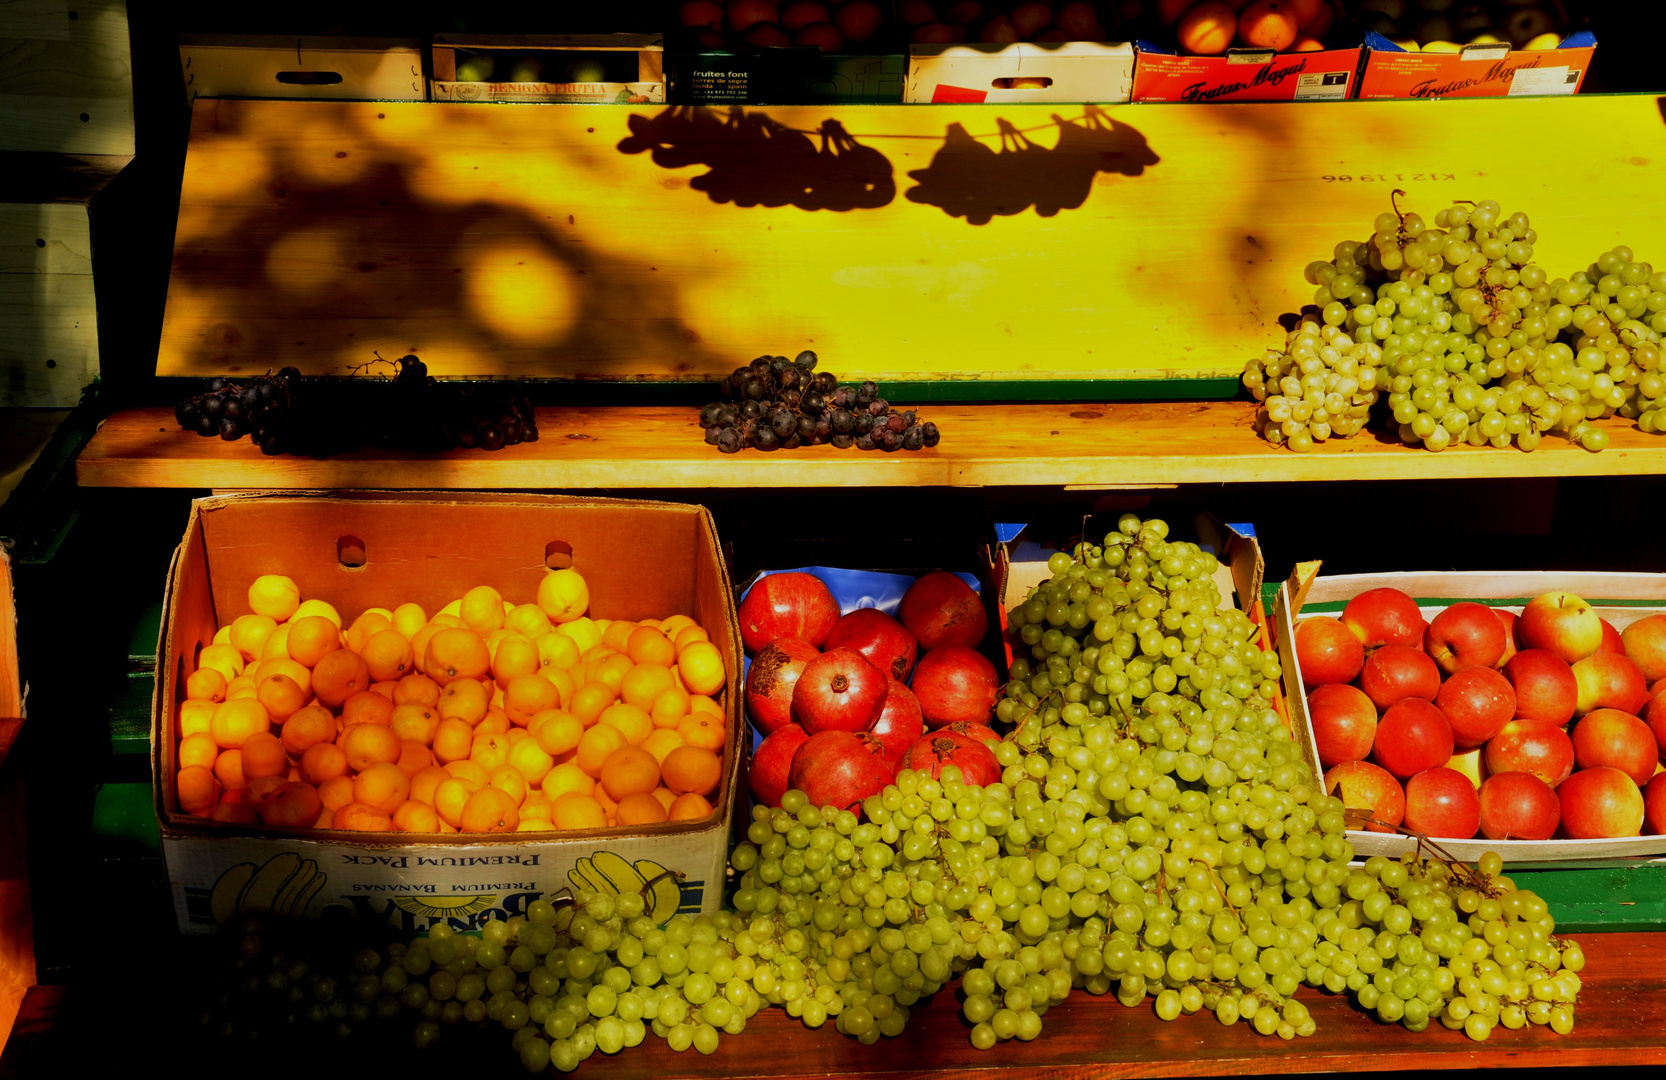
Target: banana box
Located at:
point(358, 550)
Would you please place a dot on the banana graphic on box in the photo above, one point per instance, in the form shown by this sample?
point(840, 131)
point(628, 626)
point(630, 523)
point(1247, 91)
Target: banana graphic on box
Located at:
point(283, 886)
point(606, 872)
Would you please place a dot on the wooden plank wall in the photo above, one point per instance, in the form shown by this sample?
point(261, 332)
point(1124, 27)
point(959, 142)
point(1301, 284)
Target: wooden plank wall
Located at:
point(66, 77)
point(49, 350)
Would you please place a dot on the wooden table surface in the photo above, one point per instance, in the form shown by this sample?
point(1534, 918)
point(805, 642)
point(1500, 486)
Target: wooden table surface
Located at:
point(1077, 445)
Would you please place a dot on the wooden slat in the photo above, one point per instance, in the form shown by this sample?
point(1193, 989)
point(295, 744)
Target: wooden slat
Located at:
point(45, 238)
point(66, 77)
point(49, 350)
point(983, 445)
point(28, 177)
point(1144, 241)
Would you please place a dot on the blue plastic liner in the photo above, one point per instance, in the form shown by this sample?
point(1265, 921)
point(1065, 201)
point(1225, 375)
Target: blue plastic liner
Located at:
point(855, 589)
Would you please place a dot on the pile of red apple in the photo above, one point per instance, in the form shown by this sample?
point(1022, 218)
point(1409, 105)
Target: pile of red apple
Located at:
point(844, 702)
point(1461, 725)
point(866, 25)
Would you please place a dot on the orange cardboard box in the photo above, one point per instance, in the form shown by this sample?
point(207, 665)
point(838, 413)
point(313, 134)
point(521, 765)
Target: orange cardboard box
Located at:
point(1476, 71)
point(1246, 75)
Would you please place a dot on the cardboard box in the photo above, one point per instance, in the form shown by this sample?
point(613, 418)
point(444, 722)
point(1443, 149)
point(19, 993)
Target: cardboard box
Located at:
point(334, 68)
point(634, 66)
point(1476, 71)
point(640, 559)
point(1246, 75)
point(786, 76)
point(1070, 71)
point(1621, 598)
point(17, 936)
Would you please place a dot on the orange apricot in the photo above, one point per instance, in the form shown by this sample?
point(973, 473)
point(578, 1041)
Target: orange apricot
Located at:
point(1268, 24)
point(321, 762)
point(236, 720)
point(662, 742)
point(414, 816)
point(425, 781)
point(701, 667)
point(490, 751)
point(589, 700)
point(456, 653)
point(336, 792)
point(575, 811)
point(281, 696)
point(306, 729)
point(206, 684)
point(452, 740)
point(689, 807)
point(450, 796)
point(367, 707)
point(222, 658)
point(645, 682)
point(489, 810)
point(704, 731)
point(414, 757)
point(597, 745)
point(647, 645)
point(417, 723)
point(365, 627)
point(198, 788)
point(629, 771)
point(633, 723)
point(367, 744)
point(338, 676)
point(384, 785)
point(556, 732)
point(515, 654)
point(198, 749)
point(1206, 29)
point(481, 609)
point(195, 716)
point(358, 817)
point(468, 769)
point(311, 639)
point(388, 655)
point(463, 699)
point(688, 768)
point(263, 754)
point(416, 687)
point(531, 760)
point(527, 695)
point(567, 777)
point(669, 707)
point(640, 809)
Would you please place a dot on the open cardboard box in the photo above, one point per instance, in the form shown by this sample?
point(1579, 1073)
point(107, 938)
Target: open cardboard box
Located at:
point(1084, 72)
point(1621, 598)
point(273, 66)
point(633, 66)
point(1492, 70)
point(640, 559)
point(1246, 75)
point(17, 938)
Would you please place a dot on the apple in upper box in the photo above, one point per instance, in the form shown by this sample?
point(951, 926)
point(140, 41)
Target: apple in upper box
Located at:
point(1472, 763)
point(1477, 702)
point(1611, 639)
point(1529, 746)
point(1645, 642)
point(1463, 635)
point(1384, 616)
point(1654, 805)
point(1609, 681)
point(1344, 723)
point(1561, 623)
point(1617, 739)
point(1654, 715)
point(1394, 672)
point(1412, 736)
point(1599, 803)
point(1364, 786)
point(1545, 687)
point(1441, 802)
point(1518, 806)
point(1327, 652)
point(1509, 619)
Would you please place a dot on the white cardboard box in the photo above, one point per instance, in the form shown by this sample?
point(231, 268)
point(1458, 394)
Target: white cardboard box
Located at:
point(1067, 71)
point(330, 68)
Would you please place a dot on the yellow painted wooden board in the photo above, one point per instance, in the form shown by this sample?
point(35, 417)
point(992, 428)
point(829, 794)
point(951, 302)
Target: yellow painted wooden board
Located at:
point(66, 77)
point(547, 240)
point(1117, 445)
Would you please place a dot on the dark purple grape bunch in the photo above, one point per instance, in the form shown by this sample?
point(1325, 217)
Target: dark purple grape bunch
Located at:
point(261, 407)
point(778, 404)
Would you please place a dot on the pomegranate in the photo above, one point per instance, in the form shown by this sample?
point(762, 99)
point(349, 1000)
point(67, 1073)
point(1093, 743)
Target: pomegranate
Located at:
point(899, 723)
point(955, 683)
point(795, 605)
point(839, 768)
point(886, 643)
point(940, 609)
point(931, 753)
point(839, 691)
point(770, 681)
point(981, 732)
point(771, 762)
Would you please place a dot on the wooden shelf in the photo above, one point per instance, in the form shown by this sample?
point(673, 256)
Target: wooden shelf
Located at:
point(1117, 445)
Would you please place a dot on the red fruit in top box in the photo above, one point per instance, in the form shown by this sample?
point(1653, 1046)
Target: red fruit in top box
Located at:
point(1395, 672)
point(887, 643)
point(932, 753)
point(1509, 619)
point(1561, 623)
point(1031, 17)
point(1654, 806)
point(1518, 806)
point(1327, 652)
point(1442, 802)
point(1463, 635)
point(940, 609)
point(955, 683)
point(1385, 616)
point(900, 723)
point(770, 680)
point(1611, 639)
point(744, 14)
point(1412, 736)
point(1609, 681)
point(1078, 21)
point(772, 762)
point(707, 13)
point(1645, 642)
point(1364, 786)
point(1477, 702)
point(1616, 739)
point(840, 768)
point(1529, 746)
point(1600, 803)
point(1654, 715)
point(1545, 687)
point(795, 605)
point(859, 19)
point(839, 691)
point(1344, 723)
point(798, 14)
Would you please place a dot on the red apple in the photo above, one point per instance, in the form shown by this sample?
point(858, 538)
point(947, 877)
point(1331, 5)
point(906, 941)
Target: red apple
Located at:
point(839, 691)
point(1465, 634)
point(1654, 714)
point(1609, 681)
point(936, 33)
point(998, 31)
point(744, 14)
point(765, 35)
point(1518, 806)
point(1529, 746)
point(795, 605)
point(900, 722)
point(940, 609)
point(706, 13)
point(1471, 763)
point(1326, 652)
point(772, 762)
point(823, 36)
point(770, 680)
point(1385, 616)
point(1412, 736)
point(801, 13)
point(1611, 639)
point(1562, 623)
point(1477, 702)
point(886, 643)
point(1599, 803)
point(1394, 672)
point(839, 768)
point(1442, 803)
point(1344, 723)
point(1364, 786)
point(955, 683)
point(1545, 687)
point(1645, 642)
point(1509, 619)
point(1654, 806)
point(964, 12)
point(1616, 739)
point(859, 19)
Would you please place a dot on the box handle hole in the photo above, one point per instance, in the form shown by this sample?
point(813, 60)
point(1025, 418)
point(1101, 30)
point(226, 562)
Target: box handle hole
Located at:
point(310, 78)
point(558, 555)
point(1023, 82)
point(350, 552)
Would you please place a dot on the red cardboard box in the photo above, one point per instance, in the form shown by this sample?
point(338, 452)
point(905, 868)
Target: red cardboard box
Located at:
point(1246, 75)
point(1476, 71)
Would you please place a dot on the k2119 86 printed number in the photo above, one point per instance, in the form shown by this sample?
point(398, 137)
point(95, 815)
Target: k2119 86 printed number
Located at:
point(1371, 178)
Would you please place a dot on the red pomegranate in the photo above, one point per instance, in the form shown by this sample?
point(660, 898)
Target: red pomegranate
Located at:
point(795, 605)
point(940, 609)
point(899, 723)
point(931, 753)
point(886, 643)
point(839, 768)
point(839, 691)
point(772, 761)
point(955, 683)
point(770, 681)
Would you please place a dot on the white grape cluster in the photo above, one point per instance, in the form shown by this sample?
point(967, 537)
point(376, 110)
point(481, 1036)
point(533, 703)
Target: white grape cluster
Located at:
point(1322, 383)
point(1613, 366)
